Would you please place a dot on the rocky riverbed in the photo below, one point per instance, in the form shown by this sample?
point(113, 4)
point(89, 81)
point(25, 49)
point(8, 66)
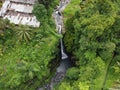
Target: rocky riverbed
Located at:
point(64, 63)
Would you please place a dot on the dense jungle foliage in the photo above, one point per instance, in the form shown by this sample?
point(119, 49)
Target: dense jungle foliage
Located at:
point(26, 52)
point(93, 37)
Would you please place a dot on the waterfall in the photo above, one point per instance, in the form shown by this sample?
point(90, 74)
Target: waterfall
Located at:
point(63, 54)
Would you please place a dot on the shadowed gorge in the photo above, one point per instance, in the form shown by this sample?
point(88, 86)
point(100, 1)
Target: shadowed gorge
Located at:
point(59, 44)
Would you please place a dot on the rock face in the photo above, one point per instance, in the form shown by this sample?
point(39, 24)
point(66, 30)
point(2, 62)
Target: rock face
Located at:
point(19, 12)
point(25, 1)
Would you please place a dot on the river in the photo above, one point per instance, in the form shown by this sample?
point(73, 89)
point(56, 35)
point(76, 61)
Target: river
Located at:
point(65, 62)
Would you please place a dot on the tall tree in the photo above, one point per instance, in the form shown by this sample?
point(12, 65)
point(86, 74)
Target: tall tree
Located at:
point(47, 3)
point(95, 41)
point(23, 33)
point(40, 12)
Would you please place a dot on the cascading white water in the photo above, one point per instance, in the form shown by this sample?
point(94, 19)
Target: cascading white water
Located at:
point(63, 54)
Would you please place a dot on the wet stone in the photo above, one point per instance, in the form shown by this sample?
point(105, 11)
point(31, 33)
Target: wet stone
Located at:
point(58, 77)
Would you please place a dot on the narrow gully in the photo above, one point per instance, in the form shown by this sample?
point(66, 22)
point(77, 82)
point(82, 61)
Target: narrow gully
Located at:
point(65, 62)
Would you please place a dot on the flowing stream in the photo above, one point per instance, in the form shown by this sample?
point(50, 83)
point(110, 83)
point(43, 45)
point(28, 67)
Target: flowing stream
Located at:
point(64, 63)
